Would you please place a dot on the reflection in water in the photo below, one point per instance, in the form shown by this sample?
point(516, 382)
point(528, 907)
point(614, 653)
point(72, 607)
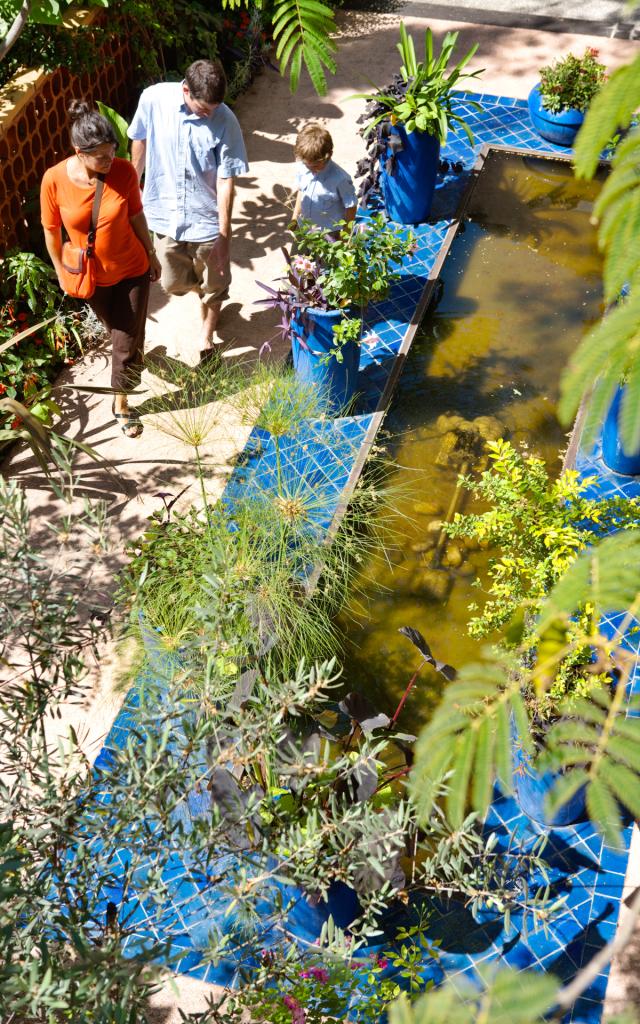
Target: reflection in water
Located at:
point(521, 286)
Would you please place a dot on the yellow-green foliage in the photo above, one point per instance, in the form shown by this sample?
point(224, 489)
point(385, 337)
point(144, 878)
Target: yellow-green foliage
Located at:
point(537, 526)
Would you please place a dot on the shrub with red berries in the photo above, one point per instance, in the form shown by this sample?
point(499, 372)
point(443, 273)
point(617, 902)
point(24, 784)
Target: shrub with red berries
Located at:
point(571, 82)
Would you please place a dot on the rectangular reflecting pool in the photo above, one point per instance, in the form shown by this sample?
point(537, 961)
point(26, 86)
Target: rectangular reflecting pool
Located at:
point(519, 287)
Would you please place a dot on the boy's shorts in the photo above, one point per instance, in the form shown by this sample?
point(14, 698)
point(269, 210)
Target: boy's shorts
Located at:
point(190, 267)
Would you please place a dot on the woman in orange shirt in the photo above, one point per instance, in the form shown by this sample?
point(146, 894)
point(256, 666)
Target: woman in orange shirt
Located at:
point(125, 260)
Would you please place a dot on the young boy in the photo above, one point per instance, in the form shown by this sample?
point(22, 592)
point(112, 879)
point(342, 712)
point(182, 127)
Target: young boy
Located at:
point(325, 191)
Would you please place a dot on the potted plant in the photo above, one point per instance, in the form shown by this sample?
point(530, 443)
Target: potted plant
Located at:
point(324, 290)
point(412, 119)
point(558, 103)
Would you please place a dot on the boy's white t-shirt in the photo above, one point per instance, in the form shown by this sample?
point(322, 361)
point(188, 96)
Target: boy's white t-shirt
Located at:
point(325, 194)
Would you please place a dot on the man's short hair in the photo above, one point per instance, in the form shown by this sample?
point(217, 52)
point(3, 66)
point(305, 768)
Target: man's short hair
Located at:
point(313, 143)
point(206, 81)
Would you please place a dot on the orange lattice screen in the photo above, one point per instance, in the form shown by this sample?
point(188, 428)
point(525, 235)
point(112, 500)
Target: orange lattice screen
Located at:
point(37, 136)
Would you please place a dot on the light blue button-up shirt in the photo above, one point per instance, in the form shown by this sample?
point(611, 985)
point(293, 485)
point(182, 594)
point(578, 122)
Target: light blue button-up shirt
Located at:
point(325, 194)
point(185, 155)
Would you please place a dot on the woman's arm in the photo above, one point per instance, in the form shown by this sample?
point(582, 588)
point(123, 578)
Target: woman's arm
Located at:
point(139, 224)
point(53, 242)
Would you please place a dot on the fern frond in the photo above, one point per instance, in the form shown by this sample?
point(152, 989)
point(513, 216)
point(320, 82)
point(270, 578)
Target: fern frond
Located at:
point(498, 995)
point(469, 738)
point(630, 414)
point(600, 399)
point(620, 238)
point(605, 575)
point(608, 755)
point(484, 767)
point(615, 341)
point(611, 109)
point(302, 33)
point(604, 812)
point(295, 68)
point(456, 800)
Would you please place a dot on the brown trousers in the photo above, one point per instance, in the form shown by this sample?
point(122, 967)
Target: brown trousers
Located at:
point(122, 307)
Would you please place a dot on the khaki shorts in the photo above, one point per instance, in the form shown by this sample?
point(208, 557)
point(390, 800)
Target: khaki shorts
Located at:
point(190, 267)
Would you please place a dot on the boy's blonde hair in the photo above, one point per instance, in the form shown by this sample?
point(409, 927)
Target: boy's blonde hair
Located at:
point(313, 143)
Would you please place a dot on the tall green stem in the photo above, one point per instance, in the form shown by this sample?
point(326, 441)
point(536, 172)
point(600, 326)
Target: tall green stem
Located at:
point(205, 502)
point(276, 442)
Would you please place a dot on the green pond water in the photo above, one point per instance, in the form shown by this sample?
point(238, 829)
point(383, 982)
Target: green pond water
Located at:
point(522, 284)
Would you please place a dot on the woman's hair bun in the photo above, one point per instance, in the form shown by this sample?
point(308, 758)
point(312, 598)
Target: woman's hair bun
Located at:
point(78, 108)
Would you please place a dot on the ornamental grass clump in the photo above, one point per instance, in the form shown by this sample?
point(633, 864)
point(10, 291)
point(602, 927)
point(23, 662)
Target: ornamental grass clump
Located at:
point(267, 568)
point(571, 82)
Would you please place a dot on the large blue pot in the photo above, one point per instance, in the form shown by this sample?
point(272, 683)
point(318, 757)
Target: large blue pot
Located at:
point(531, 789)
point(312, 343)
point(560, 128)
point(408, 192)
point(613, 454)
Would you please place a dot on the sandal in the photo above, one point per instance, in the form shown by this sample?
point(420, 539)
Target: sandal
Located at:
point(131, 425)
point(209, 355)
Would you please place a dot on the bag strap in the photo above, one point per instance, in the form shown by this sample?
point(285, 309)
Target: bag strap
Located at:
point(93, 226)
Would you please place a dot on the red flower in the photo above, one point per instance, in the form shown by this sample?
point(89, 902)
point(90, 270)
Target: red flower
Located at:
point(22, 317)
point(37, 341)
point(2, 389)
point(16, 423)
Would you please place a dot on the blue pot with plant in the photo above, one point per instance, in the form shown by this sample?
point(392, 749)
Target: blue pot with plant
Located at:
point(614, 454)
point(559, 102)
point(532, 788)
point(323, 292)
point(408, 122)
point(412, 157)
point(315, 359)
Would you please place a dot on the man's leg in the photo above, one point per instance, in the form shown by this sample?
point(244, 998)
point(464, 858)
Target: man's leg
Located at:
point(214, 289)
point(210, 315)
point(177, 261)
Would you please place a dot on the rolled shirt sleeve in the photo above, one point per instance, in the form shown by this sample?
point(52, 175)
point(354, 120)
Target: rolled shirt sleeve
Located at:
point(232, 155)
point(138, 127)
point(346, 191)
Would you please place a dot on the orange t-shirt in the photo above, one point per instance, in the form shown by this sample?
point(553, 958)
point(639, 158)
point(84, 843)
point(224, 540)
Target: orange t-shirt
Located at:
point(118, 251)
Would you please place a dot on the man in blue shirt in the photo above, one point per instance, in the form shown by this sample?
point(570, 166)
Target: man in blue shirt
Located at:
point(189, 146)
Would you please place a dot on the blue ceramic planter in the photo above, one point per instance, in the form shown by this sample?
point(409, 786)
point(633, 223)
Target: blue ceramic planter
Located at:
point(311, 343)
point(560, 128)
point(613, 454)
point(408, 192)
point(531, 789)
